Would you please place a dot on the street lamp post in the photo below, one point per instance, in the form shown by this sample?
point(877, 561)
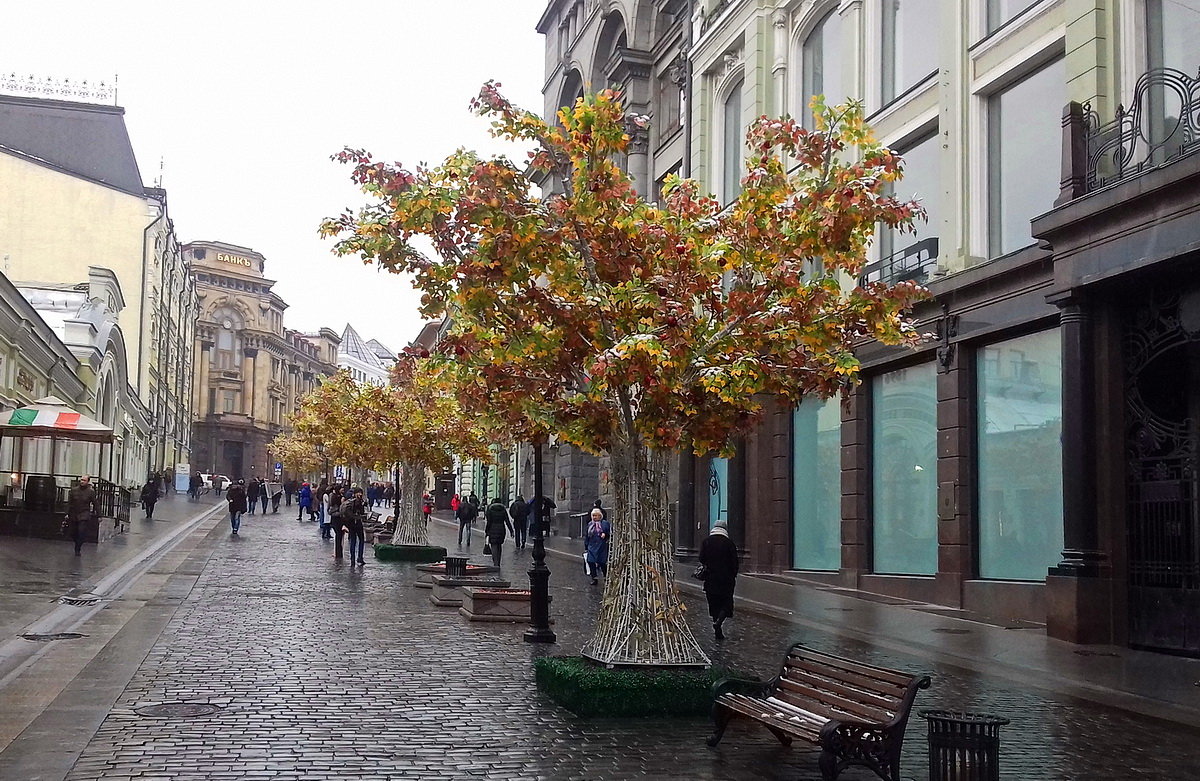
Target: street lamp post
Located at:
point(539, 574)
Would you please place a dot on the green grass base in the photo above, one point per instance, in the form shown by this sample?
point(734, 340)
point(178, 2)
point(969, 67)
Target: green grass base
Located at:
point(587, 689)
point(421, 553)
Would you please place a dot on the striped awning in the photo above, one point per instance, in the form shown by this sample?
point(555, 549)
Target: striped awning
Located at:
point(51, 417)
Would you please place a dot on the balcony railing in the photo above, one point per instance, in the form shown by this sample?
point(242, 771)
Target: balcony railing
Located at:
point(1160, 125)
point(914, 263)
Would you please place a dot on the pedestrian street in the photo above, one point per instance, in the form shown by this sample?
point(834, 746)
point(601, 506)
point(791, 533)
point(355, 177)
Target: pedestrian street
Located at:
point(316, 669)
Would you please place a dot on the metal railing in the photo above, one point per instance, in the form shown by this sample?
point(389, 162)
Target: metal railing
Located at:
point(914, 263)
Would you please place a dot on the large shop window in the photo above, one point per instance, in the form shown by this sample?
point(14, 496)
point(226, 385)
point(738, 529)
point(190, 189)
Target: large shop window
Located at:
point(1024, 125)
point(1020, 457)
point(910, 44)
point(904, 471)
point(822, 65)
point(733, 142)
point(718, 491)
point(817, 485)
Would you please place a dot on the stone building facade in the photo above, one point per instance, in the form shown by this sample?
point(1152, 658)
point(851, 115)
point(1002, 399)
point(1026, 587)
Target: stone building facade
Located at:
point(250, 371)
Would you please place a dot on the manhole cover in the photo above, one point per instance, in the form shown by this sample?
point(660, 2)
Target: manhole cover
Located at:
point(79, 601)
point(948, 631)
point(45, 638)
point(178, 710)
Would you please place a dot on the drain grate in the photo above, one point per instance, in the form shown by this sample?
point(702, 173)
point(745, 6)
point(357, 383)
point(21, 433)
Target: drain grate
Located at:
point(178, 710)
point(79, 601)
point(1086, 652)
point(948, 631)
point(45, 638)
point(842, 609)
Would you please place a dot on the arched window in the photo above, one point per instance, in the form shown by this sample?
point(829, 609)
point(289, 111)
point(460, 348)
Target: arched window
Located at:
point(732, 144)
point(821, 65)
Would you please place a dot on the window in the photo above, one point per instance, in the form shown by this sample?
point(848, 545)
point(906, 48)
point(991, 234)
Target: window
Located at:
point(910, 51)
point(718, 490)
point(904, 471)
point(669, 111)
point(922, 181)
point(1020, 457)
point(228, 401)
point(999, 12)
point(821, 64)
point(1172, 29)
point(817, 485)
point(733, 143)
point(1023, 164)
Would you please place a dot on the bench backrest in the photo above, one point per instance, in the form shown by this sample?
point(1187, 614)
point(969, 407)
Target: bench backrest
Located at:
point(845, 690)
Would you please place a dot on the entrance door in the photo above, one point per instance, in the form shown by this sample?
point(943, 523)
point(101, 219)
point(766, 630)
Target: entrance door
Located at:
point(1162, 397)
point(231, 456)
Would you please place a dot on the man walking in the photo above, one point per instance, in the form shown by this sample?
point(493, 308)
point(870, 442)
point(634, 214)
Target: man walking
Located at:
point(289, 488)
point(353, 516)
point(82, 509)
point(304, 498)
point(150, 497)
point(719, 556)
point(466, 517)
point(236, 496)
point(251, 489)
point(519, 511)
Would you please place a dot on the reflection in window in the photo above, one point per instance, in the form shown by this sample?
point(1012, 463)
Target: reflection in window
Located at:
point(910, 50)
point(816, 485)
point(1172, 30)
point(733, 143)
point(1023, 164)
point(922, 181)
point(1000, 11)
point(1020, 457)
point(821, 64)
point(718, 490)
point(904, 471)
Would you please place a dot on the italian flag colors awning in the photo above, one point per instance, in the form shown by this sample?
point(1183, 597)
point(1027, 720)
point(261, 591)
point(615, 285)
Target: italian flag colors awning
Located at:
point(51, 417)
point(43, 417)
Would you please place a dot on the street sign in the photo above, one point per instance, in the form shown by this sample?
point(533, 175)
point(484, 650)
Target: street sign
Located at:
point(339, 472)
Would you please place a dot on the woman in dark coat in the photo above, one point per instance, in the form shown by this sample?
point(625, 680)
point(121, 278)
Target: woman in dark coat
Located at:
point(150, 497)
point(495, 523)
point(719, 556)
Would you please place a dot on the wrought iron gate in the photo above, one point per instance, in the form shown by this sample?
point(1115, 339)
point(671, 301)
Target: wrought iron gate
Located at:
point(1162, 397)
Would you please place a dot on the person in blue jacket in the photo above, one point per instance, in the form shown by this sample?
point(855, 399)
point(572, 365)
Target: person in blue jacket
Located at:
point(595, 545)
point(305, 498)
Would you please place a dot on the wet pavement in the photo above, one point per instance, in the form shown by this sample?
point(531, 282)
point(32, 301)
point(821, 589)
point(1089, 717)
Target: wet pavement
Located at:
point(323, 670)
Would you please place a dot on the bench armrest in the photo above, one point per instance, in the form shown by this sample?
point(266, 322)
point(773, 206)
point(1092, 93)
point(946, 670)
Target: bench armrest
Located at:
point(860, 741)
point(750, 686)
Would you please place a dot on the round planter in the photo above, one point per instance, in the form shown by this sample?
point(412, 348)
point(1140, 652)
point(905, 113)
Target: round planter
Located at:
point(589, 689)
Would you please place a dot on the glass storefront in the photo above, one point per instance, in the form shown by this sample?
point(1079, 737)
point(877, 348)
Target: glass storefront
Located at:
point(817, 485)
point(1020, 457)
point(904, 471)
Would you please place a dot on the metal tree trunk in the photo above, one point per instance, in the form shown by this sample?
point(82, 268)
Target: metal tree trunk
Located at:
point(641, 621)
point(410, 521)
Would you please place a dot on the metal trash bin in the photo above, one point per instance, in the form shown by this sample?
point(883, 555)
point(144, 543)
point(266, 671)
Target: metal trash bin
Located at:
point(456, 566)
point(963, 746)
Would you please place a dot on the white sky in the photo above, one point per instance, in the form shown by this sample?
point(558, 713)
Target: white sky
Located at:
point(244, 102)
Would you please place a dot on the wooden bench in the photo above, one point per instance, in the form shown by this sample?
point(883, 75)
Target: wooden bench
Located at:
point(855, 712)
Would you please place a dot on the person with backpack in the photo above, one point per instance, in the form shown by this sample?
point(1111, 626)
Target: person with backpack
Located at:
point(519, 511)
point(495, 522)
point(354, 512)
point(236, 496)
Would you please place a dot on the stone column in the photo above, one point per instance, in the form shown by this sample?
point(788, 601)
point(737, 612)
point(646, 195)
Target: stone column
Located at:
point(779, 96)
point(249, 380)
point(955, 441)
point(1079, 590)
point(203, 377)
point(639, 156)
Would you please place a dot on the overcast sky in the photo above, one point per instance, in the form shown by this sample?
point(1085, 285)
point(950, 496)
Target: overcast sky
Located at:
point(244, 102)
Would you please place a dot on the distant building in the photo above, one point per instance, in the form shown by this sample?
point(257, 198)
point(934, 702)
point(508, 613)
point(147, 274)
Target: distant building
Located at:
point(74, 202)
point(367, 362)
point(251, 371)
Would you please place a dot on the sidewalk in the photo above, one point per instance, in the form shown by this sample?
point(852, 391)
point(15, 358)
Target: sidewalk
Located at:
point(1157, 685)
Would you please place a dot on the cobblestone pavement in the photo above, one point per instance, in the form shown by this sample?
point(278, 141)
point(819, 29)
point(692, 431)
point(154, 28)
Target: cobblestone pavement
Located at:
point(327, 671)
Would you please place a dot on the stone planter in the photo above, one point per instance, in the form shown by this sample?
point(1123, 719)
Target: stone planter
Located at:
point(588, 689)
point(449, 592)
point(427, 572)
point(409, 553)
point(496, 604)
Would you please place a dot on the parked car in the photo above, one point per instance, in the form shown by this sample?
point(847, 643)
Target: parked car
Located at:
point(208, 480)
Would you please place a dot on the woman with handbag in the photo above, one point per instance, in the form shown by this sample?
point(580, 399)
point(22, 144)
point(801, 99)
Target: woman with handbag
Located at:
point(595, 545)
point(719, 569)
point(495, 522)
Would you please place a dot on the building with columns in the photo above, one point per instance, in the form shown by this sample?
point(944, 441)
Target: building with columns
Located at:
point(250, 371)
